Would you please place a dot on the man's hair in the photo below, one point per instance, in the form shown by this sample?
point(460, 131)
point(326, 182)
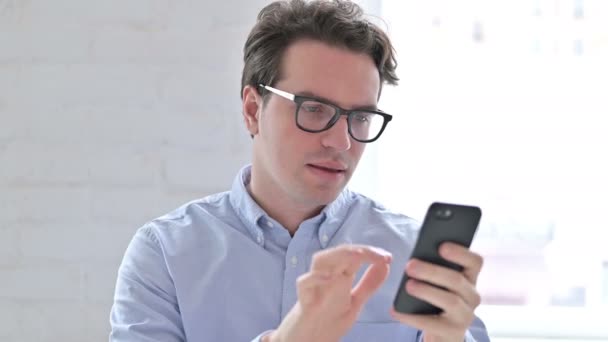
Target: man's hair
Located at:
point(337, 23)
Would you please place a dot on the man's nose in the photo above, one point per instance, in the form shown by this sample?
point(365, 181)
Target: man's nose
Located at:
point(337, 137)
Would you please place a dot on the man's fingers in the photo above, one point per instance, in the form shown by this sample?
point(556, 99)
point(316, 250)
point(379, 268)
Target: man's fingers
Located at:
point(371, 280)
point(308, 286)
point(347, 259)
point(457, 297)
point(456, 318)
point(426, 323)
point(471, 261)
point(369, 255)
point(442, 276)
point(451, 303)
point(421, 322)
point(312, 279)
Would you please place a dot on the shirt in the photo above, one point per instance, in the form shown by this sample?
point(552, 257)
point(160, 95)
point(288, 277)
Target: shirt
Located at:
point(221, 269)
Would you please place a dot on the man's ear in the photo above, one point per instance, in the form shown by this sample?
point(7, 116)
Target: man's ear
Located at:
point(252, 107)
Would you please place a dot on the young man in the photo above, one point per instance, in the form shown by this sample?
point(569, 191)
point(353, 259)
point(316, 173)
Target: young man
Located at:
point(279, 257)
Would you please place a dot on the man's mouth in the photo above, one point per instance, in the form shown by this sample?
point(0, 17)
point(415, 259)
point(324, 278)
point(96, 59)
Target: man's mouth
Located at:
point(334, 169)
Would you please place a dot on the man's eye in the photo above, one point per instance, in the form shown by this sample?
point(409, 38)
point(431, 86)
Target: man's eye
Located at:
point(313, 109)
point(362, 117)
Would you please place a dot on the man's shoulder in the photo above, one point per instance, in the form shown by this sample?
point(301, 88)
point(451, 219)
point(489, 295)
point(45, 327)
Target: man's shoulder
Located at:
point(370, 222)
point(367, 206)
point(379, 219)
point(209, 204)
point(193, 216)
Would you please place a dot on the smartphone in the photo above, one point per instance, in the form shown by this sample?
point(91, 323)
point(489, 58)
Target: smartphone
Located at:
point(443, 222)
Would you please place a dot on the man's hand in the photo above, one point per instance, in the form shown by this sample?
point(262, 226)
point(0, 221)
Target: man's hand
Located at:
point(458, 301)
point(328, 305)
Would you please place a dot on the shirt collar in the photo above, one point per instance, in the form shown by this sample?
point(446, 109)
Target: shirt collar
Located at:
point(247, 209)
point(328, 221)
point(334, 215)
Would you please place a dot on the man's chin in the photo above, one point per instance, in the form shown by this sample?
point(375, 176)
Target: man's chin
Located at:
point(324, 190)
point(325, 196)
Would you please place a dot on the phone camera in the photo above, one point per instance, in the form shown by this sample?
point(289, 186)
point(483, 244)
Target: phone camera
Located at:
point(443, 214)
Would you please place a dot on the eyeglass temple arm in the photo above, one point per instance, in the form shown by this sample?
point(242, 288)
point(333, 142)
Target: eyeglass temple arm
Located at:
point(279, 92)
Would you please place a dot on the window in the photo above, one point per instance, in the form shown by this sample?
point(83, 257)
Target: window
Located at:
point(503, 104)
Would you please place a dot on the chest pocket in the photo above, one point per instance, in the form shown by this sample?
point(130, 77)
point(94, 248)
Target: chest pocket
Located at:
point(380, 332)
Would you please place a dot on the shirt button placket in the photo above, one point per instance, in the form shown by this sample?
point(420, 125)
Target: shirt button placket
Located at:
point(289, 280)
point(294, 261)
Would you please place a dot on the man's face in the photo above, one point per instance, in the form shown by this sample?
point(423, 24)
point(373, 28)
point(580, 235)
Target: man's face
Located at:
point(311, 169)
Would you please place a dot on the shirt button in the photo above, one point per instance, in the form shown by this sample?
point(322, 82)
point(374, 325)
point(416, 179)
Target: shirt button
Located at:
point(269, 224)
point(294, 261)
point(259, 238)
point(324, 238)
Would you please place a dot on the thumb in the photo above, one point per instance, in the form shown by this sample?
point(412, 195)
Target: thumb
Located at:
point(371, 280)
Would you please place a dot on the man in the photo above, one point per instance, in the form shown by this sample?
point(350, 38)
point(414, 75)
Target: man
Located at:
point(280, 257)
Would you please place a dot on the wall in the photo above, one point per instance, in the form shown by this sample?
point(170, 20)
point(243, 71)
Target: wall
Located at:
point(111, 113)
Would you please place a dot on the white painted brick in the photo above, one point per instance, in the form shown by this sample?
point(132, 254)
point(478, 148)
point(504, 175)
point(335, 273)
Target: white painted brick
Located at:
point(175, 109)
point(57, 243)
point(122, 205)
point(109, 243)
point(97, 325)
point(99, 281)
point(51, 163)
point(66, 14)
point(11, 13)
point(24, 162)
point(51, 244)
point(131, 208)
point(44, 204)
point(218, 16)
point(37, 82)
point(119, 45)
point(9, 329)
point(16, 127)
point(172, 198)
point(45, 320)
point(206, 131)
point(109, 124)
point(176, 46)
point(4, 144)
point(48, 46)
point(202, 97)
point(41, 282)
point(179, 121)
point(8, 247)
point(191, 89)
point(84, 84)
point(9, 80)
point(198, 170)
point(124, 166)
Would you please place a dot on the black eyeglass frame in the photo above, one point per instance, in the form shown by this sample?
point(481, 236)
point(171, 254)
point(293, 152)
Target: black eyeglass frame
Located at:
point(339, 112)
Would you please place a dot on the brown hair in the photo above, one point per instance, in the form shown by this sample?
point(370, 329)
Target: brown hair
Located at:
point(335, 22)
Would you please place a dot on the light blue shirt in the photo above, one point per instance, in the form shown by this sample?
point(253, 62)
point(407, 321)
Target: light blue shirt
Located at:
point(221, 269)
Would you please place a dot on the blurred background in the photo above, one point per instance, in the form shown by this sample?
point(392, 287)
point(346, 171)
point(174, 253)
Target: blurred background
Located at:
point(113, 113)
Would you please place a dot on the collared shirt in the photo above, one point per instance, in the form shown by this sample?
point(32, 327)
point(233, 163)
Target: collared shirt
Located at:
point(221, 269)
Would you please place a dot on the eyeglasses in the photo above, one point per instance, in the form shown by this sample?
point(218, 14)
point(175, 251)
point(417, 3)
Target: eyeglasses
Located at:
point(314, 116)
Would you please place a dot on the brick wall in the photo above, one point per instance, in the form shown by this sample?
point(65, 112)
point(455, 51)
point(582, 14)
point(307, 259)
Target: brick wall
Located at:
point(111, 113)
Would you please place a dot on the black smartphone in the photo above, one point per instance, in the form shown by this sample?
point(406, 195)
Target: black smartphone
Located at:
point(443, 222)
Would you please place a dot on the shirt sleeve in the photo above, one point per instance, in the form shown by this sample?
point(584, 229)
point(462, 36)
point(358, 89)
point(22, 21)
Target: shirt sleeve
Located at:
point(477, 333)
point(145, 305)
point(259, 337)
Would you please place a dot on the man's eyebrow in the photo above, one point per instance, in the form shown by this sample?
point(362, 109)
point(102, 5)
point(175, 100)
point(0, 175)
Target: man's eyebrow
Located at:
point(324, 99)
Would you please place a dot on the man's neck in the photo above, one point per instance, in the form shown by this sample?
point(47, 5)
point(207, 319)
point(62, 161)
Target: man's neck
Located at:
point(289, 214)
